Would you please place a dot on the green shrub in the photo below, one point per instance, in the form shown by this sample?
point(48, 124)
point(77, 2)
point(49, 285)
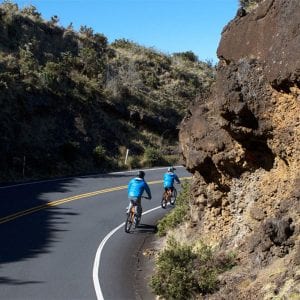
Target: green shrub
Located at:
point(122, 43)
point(27, 61)
point(171, 159)
point(103, 161)
point(182, 271)
point(188, 55)
point(99, 154)
point(178, 214)
point(152, 157)
point(248, 5)
point(10, 7)
point(134, 162)
point(151, 80)
point(174, 277)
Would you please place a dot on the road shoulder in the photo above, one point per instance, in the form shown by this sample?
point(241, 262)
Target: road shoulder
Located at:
point(145, 267)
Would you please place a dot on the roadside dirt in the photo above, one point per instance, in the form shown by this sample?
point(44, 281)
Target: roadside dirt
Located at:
point(145, 268)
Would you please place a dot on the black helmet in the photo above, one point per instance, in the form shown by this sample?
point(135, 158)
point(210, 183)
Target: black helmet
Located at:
point(141, 174)
point(171, 169)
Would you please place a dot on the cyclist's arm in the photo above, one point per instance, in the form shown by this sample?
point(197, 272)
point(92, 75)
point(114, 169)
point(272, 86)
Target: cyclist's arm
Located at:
point(147, 189)
point(129, 185)
point(177, 179)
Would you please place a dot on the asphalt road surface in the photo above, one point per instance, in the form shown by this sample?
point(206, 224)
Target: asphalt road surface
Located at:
point(52, 231)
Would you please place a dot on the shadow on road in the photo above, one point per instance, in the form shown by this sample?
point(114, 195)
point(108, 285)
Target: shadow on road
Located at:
point(145, 228)
point(30, 235)
point(5, 280)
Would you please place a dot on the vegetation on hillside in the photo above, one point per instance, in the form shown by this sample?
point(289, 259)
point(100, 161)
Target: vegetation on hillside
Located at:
point(73, 103)
point(249, 5)
point(178, 214)
point(184, 271)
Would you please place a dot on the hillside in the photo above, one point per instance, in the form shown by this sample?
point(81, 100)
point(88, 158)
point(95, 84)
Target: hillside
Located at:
point(240, 238)
point(73, 103)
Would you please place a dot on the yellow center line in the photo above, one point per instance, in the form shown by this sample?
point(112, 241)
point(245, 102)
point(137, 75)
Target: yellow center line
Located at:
point(68, 199)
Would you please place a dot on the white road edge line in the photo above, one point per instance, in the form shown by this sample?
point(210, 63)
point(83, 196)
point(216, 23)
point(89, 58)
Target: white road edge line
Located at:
point(96, 265)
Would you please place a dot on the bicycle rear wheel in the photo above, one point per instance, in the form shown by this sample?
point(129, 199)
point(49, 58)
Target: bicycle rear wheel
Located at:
point(174, 196)
point(164, 200)
point(129, 221)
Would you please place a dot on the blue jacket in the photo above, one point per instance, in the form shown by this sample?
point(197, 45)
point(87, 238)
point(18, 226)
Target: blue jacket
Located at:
point(136, 187)
point(169, 178)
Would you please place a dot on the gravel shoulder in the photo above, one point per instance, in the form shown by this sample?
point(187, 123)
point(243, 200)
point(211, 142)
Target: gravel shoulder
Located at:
point(144, 269)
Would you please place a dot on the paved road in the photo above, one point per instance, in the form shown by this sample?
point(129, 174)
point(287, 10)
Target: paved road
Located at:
point(50, 232)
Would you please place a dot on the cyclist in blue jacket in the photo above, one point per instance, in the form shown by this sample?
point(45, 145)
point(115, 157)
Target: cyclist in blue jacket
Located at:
point(136, 188)
point(169, 178)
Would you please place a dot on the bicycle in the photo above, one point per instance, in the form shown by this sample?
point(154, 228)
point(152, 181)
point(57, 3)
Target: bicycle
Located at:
point(169, 196)
point(132, 219)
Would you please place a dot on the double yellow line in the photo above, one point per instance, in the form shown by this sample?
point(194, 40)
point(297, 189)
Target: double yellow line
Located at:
point(65, 200)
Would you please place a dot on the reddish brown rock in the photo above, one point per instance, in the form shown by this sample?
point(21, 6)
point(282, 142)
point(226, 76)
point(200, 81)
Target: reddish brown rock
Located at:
point(242, 143)
point(271, 35)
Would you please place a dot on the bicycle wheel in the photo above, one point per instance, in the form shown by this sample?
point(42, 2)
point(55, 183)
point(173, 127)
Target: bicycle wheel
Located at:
point(164, 200)
point(136, 221)
point(129, 221)
point(174, 196)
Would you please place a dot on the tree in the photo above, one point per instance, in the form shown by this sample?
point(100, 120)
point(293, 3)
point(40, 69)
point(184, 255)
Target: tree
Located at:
point(86, 31)
point(54, 20)
point(27, 61)
point(9, 6)
point(31, 12)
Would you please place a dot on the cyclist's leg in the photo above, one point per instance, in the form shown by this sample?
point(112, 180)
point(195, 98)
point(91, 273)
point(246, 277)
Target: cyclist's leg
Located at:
point(163, 202)
point(166, 192)
point(139, 207)
point(129, 206)
point(169, 193)
point(172, 191)
point(132, 200)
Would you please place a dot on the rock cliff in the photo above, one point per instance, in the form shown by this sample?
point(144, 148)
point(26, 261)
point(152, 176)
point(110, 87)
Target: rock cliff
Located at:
point(242, 143)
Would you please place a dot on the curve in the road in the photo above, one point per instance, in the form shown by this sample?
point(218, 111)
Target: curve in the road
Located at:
point(48, 205)
point(96, 279)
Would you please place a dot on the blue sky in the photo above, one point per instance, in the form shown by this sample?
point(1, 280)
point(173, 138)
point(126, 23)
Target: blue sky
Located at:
point(167, 25)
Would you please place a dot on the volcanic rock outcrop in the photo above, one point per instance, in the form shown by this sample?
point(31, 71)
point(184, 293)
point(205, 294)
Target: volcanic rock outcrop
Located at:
point(242, 144)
